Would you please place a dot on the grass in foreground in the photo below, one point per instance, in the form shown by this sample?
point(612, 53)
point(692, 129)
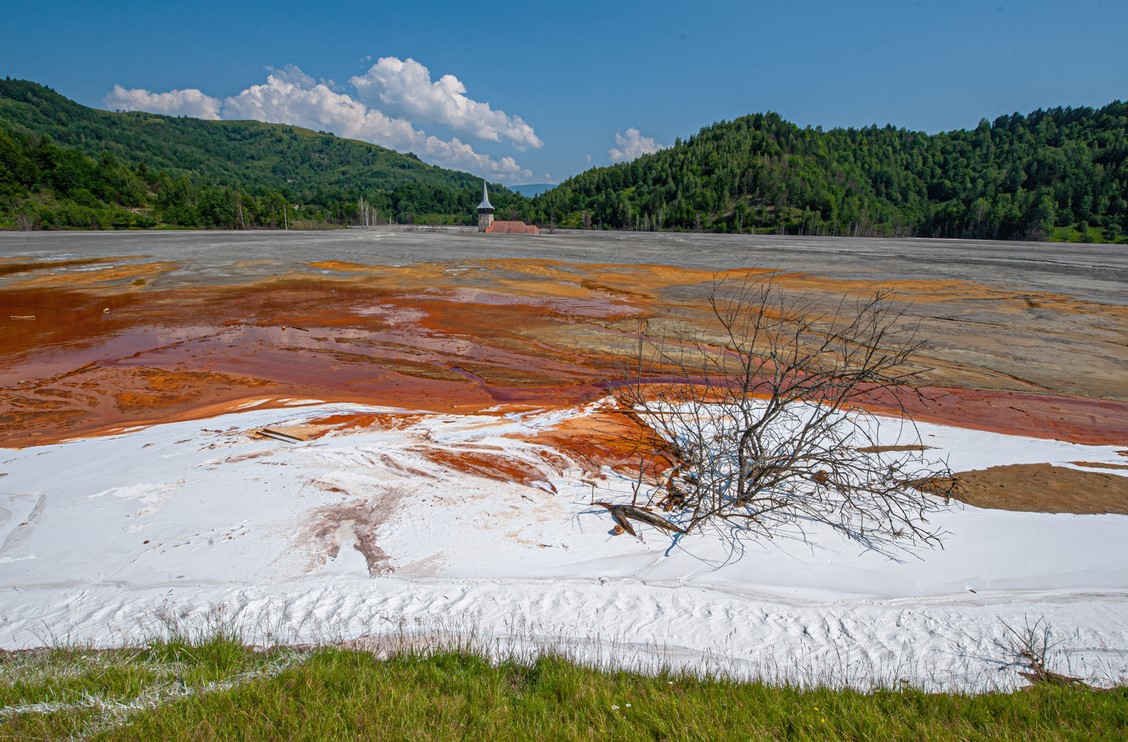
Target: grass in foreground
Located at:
point(219, 689)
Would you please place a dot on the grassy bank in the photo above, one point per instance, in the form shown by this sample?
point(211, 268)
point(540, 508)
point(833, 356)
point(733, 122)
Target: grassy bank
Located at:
point(219, 689)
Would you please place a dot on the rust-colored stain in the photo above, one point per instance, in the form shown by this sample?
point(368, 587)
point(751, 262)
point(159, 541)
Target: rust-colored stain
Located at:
point(610, 438)
point(487, 465)
point(360, 421)
point(86, 349)
point(1095, 422)
point(343, 423)
point(1099, 465)
point(37, 322)
point(9, 266)
point(142, 388)
point(133, 275)
point(362, 518)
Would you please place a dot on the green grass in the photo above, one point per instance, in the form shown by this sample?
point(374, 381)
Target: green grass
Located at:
point(66, 691)
point(219, 689)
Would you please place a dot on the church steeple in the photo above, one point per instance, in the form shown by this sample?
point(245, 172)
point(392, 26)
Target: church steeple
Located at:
point(485, 198)
point(485, 210)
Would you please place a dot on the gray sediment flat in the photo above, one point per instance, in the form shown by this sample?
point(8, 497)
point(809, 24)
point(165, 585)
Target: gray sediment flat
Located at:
point(1038, 318)
point(1090, 272)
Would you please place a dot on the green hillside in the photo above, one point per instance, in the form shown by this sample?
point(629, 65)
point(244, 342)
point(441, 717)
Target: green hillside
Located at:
point(63, 164)
point(1057, 174)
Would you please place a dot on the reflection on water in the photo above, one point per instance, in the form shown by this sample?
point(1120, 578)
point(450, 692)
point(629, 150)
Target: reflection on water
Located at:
point(44, 320)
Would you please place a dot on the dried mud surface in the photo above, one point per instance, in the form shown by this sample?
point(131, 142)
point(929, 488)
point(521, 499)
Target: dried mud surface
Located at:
point(1043, 488)
point(98, 337)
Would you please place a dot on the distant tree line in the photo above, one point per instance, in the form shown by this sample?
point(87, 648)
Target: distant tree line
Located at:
point(1053, 174)
point(1058, 174)
point(63, 165)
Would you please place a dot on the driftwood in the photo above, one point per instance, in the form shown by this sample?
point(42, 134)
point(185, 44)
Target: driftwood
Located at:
point(621, 513)
point(278, 436)
point(1040, 675)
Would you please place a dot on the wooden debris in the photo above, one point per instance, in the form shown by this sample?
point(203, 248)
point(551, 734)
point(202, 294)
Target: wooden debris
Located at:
point(1040, 675)
point(278, 436)
point(297, 432)
point(893, 449)
point(621, 513)
point(645, 516)
point(621, 523)
point(21, 316)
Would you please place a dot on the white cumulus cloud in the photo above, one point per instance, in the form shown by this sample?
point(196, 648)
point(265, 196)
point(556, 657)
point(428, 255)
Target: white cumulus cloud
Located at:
point(405, 86)
point(189, 102)
point(631, 145)
point(290, 96)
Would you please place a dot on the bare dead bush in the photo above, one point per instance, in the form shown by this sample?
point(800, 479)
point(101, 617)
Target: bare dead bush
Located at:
point(764, 422)
point(25, 220)
point(1030, 647)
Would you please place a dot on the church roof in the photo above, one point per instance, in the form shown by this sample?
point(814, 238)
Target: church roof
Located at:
point(485, 199)
point(512, 228)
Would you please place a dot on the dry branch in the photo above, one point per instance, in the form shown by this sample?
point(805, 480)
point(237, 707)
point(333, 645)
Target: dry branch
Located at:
point(763, 422)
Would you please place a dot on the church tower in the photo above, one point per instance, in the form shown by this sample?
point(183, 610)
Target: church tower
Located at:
point(485, 210)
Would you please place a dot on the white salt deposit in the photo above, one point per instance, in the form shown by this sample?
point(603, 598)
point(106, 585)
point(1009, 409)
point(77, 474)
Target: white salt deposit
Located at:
point(365, 534)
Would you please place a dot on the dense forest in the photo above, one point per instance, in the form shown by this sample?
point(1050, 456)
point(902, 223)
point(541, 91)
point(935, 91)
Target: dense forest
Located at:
point(1057, 174)
point(66, 165)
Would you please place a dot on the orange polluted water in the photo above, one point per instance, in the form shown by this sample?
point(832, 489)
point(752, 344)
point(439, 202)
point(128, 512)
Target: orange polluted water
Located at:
point(83, 357)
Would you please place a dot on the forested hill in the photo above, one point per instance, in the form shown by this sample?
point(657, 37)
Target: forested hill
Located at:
point(1057, 174)
point(63, 164)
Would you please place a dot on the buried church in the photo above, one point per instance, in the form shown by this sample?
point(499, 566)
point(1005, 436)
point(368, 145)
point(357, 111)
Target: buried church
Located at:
point(486, 221)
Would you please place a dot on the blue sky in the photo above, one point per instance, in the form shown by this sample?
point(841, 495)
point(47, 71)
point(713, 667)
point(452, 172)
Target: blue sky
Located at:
point(540, 91)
